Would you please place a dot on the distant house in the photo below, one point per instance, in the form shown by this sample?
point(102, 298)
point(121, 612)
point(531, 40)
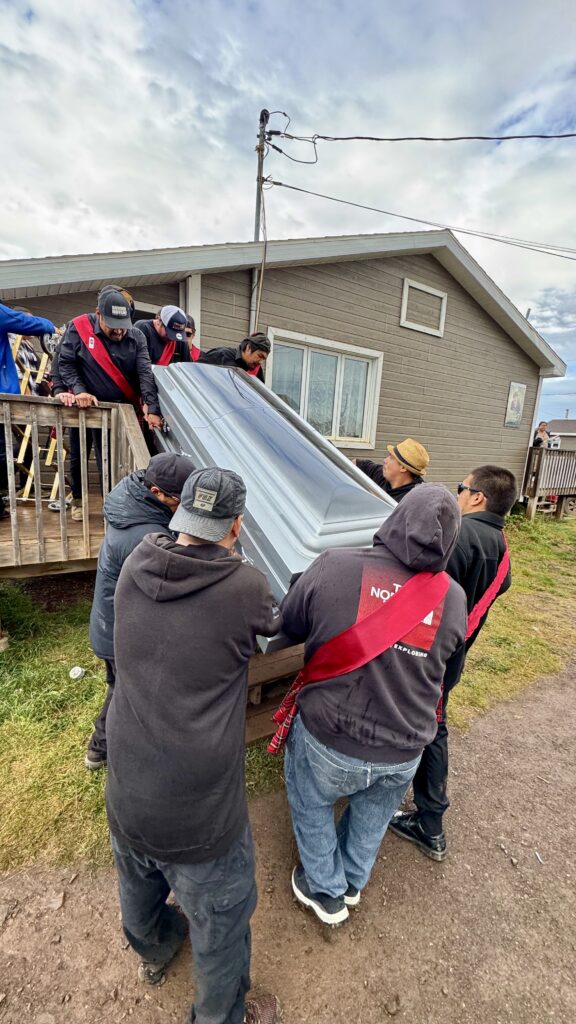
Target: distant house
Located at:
point(375, 337)
point(567, 431)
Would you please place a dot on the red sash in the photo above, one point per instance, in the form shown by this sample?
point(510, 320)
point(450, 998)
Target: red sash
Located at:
point(167, 353)
point(363, 641)
point(490, 594)
point(195, 353)
point(101, 355)
point(254, 371)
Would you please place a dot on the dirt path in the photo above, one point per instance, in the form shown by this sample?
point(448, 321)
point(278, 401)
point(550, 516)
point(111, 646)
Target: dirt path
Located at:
point(488, 937)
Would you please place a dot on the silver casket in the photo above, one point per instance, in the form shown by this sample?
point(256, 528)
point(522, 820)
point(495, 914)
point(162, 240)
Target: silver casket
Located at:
point(303, 495)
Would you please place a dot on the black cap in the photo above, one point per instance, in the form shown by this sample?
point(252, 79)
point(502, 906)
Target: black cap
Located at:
point(259, 342)
point(168, 472)
point(115, 310)
point(117, 288)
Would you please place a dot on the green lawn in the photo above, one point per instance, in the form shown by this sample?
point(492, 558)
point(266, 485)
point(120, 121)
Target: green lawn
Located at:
point(53, 808)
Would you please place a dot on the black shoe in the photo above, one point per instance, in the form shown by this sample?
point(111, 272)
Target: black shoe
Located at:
point(329, 909)
point(94, 760)
point(152, 974)
point(407, 826)
point(352, 896)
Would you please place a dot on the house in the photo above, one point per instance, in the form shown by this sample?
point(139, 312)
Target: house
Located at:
point(375, 337)
point(566, 429)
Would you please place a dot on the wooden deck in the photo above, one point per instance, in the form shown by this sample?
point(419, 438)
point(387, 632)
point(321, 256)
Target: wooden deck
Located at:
point(82, 553)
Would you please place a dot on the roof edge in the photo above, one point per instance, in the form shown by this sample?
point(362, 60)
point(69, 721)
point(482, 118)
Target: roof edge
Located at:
point(38, 273)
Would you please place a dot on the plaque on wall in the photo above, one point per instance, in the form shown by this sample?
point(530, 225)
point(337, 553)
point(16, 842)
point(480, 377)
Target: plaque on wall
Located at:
point(515, 404)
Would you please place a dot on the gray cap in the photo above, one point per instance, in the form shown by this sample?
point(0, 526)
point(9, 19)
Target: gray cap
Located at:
point(168, 472)
point(210, 501)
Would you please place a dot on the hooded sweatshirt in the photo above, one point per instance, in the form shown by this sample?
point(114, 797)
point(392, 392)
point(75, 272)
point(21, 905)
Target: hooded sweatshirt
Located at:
point(131, 511)
point(186, 625)
point(385, 711)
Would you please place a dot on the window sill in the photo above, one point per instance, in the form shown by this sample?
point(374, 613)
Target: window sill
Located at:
point(361, 445)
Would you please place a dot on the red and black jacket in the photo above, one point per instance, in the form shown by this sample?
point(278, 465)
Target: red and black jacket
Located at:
point(80, 371)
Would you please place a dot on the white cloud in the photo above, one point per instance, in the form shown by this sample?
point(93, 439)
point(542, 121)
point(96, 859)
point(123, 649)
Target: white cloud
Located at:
point(132, 124)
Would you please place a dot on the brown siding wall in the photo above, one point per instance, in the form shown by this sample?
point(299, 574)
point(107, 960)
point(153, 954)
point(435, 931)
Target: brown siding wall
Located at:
point(450, 393)
point(225, 308)
point(61, 308)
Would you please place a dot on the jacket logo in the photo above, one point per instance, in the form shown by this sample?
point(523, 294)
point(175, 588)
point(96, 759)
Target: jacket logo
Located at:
point(384, 595)
point(204, 499)
point(91, 342)
point(379, 584)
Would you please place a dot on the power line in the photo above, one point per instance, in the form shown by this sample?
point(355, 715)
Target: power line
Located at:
point(419, 138)
point(544, 247)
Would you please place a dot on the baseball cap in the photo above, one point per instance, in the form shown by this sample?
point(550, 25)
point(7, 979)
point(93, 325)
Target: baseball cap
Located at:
point(412, 454)
point(174, 320)
point(168, 472)
point(210, 501)
point(115, 309)
point(117, 288)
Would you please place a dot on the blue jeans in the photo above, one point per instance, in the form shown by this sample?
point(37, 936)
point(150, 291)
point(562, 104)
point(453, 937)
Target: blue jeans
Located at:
point(218, 898)
point(316, 777)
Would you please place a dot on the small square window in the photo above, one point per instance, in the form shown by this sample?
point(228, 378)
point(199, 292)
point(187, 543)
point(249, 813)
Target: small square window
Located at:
point(423, 308)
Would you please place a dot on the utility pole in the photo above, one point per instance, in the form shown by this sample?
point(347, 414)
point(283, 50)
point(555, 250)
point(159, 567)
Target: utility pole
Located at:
point(264, 118)
point(260, 149)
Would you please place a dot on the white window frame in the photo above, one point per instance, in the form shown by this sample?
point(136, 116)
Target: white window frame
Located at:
point(408, 284)
point(308, 342)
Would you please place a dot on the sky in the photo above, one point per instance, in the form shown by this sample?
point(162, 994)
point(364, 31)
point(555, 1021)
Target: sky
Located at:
point(131, 124)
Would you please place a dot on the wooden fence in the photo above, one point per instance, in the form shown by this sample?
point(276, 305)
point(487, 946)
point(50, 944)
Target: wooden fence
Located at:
point(37, 539)
point(551, 471)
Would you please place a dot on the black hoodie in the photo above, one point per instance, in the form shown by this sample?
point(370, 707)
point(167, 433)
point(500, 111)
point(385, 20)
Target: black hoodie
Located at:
point(384, 712)
point(186, 625)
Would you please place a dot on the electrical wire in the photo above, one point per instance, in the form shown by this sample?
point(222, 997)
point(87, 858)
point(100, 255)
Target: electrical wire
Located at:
point(543, 247)
point(284, 114)
point(421, 138)
point(293, 158)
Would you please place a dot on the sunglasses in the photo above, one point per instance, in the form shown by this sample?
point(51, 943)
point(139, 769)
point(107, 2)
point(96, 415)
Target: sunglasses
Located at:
point(465, 487)
point(189, 334)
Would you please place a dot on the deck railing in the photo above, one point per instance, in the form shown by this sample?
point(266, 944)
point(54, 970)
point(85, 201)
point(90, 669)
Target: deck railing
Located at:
point(37, 466)
point(549, 471)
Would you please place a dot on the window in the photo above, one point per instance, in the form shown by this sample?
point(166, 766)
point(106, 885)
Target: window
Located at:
point(423, 308)
point(334, 386)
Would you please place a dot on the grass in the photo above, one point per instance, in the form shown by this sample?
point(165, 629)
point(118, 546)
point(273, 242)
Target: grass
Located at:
point(53, 809)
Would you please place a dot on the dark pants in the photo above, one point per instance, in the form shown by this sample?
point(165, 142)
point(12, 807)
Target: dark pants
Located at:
point(431, 779)
point(93, 439)
point(97, 742)
point(218, 898)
